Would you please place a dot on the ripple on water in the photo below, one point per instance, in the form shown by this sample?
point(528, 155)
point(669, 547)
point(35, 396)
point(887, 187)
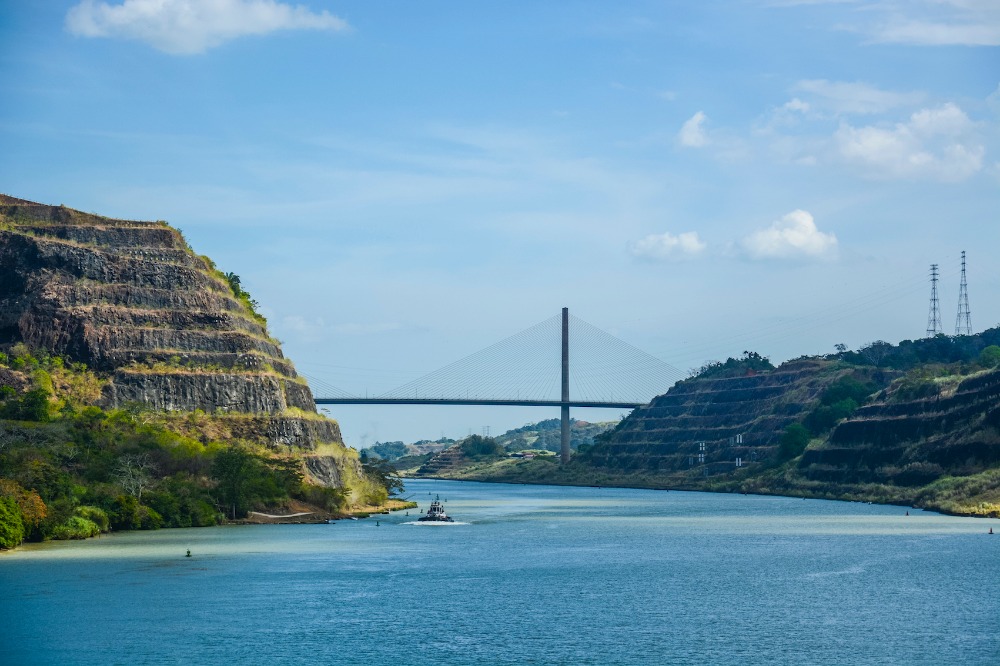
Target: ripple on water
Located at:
point(543, 575)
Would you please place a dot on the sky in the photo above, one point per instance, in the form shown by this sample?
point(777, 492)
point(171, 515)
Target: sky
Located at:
point(400, 184)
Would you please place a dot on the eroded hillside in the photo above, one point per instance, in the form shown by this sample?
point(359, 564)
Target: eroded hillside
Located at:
point(156, 333)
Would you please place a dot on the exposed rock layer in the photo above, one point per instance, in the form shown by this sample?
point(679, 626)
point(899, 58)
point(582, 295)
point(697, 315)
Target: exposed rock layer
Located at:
point(916, 441)
point(133, 302)
point(733, 417)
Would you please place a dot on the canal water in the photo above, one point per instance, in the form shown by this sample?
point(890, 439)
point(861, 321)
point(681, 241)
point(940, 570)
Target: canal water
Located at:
point(538, 575)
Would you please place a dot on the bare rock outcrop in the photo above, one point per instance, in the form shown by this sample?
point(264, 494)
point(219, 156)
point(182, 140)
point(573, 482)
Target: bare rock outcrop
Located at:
point(133, 302)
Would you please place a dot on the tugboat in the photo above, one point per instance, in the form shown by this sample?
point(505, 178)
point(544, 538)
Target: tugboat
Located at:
point(436, 514)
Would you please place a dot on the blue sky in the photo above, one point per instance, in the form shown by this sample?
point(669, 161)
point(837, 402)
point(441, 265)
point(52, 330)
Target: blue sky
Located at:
point(400, 184)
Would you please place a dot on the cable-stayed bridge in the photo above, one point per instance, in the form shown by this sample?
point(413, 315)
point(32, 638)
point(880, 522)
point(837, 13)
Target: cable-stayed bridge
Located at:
point(561, 362)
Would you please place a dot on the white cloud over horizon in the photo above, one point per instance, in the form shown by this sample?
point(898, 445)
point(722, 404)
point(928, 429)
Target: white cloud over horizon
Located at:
point(936, 144)
point(668, 247)
point(188, 27)
point(794, 236)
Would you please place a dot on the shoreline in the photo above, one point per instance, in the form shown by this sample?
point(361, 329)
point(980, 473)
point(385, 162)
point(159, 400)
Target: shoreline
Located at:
point(297, 518)
point(793, 493)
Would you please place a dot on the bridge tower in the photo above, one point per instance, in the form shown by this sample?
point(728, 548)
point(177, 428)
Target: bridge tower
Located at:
point(564, 424)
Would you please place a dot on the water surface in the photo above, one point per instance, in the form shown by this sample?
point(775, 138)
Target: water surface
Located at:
point(539, 575)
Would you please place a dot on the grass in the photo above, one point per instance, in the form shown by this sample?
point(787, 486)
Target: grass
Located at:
point(366, 510)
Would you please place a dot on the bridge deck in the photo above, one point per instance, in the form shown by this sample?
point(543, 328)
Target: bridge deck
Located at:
point(449, 401)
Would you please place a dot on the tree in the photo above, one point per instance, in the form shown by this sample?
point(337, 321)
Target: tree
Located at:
point(235, 470)
point(11, 525)
point(244, 478)
point(32, 406)
point(793, 441)
point(875, 352)
point(29, 503)
point(990, 357)
point(475, 446)
point(134, 473)
point(383, 473)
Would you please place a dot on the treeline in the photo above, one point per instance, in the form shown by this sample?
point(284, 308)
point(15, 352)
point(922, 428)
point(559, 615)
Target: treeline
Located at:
point(71, 470)
point(980, 349)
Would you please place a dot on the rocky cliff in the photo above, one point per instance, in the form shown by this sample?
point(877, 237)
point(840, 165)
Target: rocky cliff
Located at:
point(911, 442)
point(133, 302)
point(713, 421)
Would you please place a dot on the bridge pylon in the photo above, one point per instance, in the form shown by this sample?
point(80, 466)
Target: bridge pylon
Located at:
point(564, 409)
point(525, 365)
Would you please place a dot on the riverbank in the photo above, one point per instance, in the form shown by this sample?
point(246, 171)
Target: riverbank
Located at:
point(973, 496)
point(291, 513)
point(301, 513)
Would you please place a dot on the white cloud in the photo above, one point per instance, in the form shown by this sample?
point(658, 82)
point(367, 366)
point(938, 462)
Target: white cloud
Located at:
point(942, 23)
point(692, 133)
point(794, 236)
point(922, 22)
point(841, 97)
point(936, 144)
point(796, 104)
point(193, 26)
point(666, 246)
point(993, 100)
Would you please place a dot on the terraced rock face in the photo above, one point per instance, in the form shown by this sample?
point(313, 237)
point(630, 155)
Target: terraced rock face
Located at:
point(133, 302)
point(913, 442)
point(733, 417)
point(442, 462)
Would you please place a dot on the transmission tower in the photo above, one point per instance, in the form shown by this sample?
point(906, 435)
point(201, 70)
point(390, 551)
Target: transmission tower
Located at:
point(963, 322)
point(934, 316)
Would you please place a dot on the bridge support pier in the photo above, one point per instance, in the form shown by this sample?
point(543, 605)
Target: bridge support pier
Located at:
point(564, 448)
point(564, 425)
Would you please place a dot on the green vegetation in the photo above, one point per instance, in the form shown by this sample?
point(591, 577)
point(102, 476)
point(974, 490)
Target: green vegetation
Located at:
point(245, 479)
point(940, 349)
point(476, 447)
point(70, 470)
point(386, 450)
point(385, 474)
point(990, 356)
point(838, 402)
point(793, 441)
point(547, 435)
point(243, 296)
point(748, 364)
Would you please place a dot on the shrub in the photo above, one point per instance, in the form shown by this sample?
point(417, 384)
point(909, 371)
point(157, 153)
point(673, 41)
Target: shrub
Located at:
point(333, 500)
point(96, 515)
point(76, 527)
point(124, 513)
point(793, 441)
point(11, 525)
point(475, 446)
point(990, 357)
point(825, 417)
point(32, 406)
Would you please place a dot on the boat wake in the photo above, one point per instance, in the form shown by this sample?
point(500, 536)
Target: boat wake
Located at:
point(434, 523)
